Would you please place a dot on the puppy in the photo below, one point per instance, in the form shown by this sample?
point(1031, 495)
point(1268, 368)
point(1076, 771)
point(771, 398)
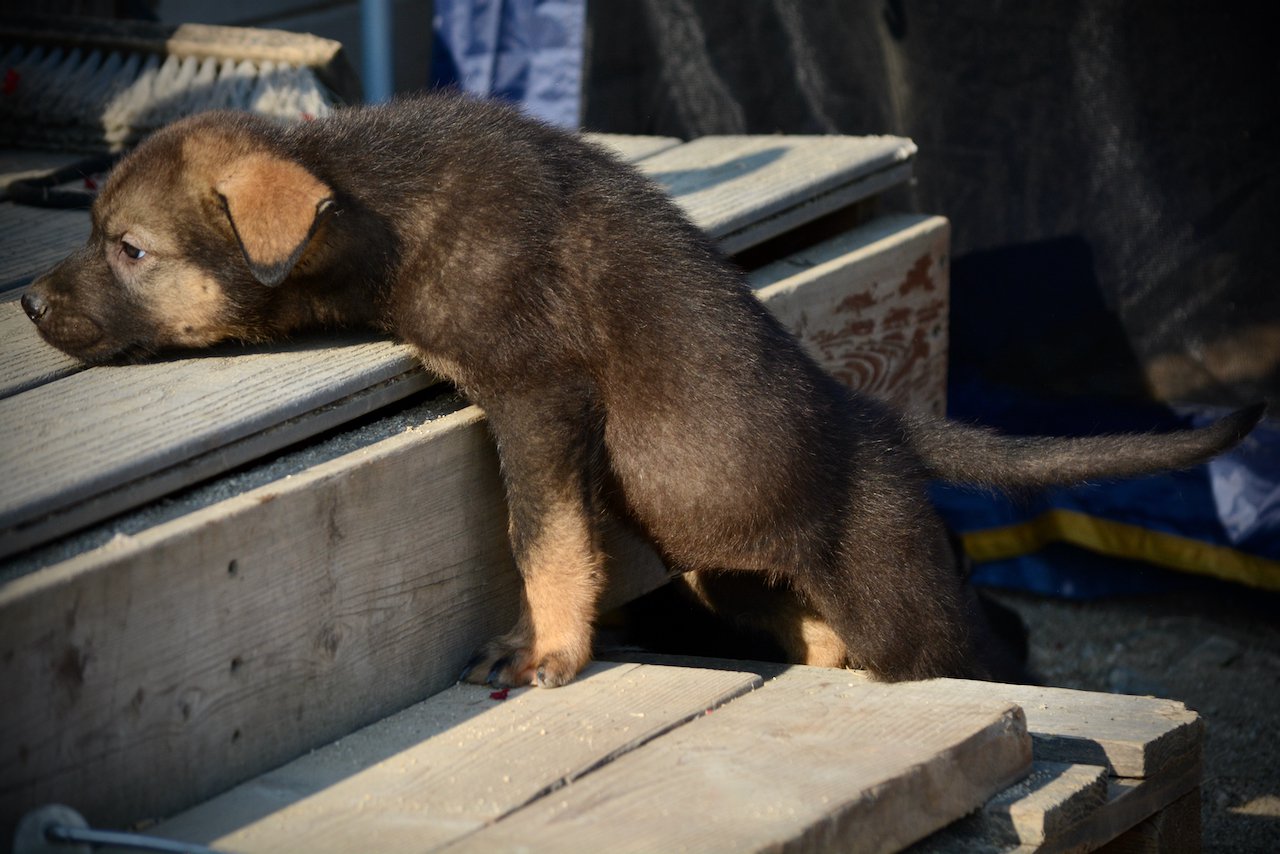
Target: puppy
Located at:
point(623, 364)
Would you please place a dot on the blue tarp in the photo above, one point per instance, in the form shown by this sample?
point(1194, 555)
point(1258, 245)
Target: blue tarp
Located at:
point(1221, 519)
point(525, 51)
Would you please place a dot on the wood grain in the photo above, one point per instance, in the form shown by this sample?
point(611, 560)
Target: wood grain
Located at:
point(162, 413)
point(450, 765)
point(28, 361)
point(632, 148)
point(32, 240)
point(874, 307)
point(1079, 738)
point(810, 762)
point(1047, 803)
point(165, 667)
point(1130, 736)
point(728, 184)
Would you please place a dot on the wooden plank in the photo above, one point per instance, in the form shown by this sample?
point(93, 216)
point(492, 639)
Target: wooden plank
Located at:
point(875, 305)
point(450, 765)
point(1051, 800)
point(32, 240)
point(1132, 816)
point(134, 493)
point(28, 361)
point(1154, 746)
point(1176, 828)
point(810, 762)
point(161, 413)
point(1130, 736)
point(632, 148)
point(167, 666)
point(745, 189)
point(1129, 804)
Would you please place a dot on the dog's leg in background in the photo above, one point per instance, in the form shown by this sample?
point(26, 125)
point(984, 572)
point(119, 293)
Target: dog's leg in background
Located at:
point(892, 594)
point(551, 458)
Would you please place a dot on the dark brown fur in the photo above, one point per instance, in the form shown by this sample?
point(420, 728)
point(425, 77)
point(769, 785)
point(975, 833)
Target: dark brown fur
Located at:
point(622, 363)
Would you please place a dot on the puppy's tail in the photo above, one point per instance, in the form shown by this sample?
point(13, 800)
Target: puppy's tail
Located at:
point(981, 457)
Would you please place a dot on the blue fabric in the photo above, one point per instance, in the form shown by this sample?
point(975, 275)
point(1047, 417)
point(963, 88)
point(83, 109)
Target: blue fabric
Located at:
point(1233, 501)
point(525, 51)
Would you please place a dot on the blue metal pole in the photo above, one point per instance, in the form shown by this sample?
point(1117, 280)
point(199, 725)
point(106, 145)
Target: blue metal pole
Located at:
point(375, 30)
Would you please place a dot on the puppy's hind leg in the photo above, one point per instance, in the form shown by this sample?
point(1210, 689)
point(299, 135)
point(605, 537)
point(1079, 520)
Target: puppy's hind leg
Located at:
point(550, 457)
point(893, 596)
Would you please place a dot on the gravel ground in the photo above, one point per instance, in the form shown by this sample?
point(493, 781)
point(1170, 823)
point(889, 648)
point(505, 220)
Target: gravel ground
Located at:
point(1218, 652)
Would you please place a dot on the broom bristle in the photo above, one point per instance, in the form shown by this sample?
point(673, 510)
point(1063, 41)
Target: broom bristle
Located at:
point(87, 98)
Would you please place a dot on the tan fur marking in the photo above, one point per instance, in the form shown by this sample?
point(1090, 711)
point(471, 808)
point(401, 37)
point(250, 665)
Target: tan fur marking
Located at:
point(822, 647)
point(188, 306)
point(804, 636)
point(563, 575)
point(273, 204)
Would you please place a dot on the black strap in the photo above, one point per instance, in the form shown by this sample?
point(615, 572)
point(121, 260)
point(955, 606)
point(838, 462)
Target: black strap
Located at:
point(42, 191)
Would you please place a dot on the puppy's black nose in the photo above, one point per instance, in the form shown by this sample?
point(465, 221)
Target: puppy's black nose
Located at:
point(35, 306)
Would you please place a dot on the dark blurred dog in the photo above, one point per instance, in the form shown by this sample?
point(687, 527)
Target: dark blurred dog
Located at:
point(621, 361)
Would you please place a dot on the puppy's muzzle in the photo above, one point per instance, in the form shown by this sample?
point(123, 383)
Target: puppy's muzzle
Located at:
point(35, 306)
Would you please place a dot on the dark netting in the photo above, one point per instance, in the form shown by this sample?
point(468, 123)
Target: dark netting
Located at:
point(1109, 167)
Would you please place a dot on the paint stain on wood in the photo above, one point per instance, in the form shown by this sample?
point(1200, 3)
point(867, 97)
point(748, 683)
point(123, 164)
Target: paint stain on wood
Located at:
point(858, 302)
point(918, 277)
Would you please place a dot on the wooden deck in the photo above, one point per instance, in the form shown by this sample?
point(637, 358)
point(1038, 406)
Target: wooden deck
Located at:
point(192, 657)
point(655, 757)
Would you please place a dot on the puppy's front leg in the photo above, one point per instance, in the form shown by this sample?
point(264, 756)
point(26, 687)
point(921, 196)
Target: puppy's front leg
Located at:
point(549, 451)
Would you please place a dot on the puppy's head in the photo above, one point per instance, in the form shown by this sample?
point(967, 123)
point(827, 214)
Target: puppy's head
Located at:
point(192, 234)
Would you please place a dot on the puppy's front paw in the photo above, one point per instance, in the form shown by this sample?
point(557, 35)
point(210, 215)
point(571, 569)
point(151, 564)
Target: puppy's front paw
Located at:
point(502, 664)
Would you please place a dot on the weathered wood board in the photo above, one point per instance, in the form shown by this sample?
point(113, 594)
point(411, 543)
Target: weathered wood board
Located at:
point(450, 765)
point(162, 413)
point(1129, 736)
point(222, 457)
point(1049, 801)
point(167, 666)
point(32, 240)
point(1066, 814)
point(630, 147)
point(28, 361)
point(875, 307)
point(1103, 762)
point(745, 189)
point(809, 761)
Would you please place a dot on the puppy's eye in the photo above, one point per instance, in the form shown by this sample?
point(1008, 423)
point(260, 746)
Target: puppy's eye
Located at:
point(132, 251)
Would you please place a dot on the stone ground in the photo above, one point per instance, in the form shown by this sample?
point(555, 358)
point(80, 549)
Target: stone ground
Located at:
point(1219, 653)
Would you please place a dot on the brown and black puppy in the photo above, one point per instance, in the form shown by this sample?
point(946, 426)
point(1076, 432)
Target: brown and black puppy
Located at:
point(620, 360)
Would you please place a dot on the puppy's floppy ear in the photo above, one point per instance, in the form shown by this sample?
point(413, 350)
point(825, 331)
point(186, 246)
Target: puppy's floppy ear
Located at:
point(275, 206)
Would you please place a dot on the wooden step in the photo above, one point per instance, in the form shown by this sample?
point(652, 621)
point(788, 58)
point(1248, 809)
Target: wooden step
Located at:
point(637, 758)
point(339, 593)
